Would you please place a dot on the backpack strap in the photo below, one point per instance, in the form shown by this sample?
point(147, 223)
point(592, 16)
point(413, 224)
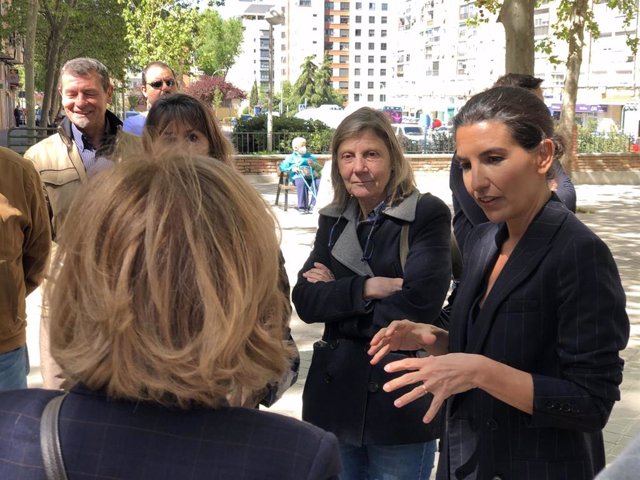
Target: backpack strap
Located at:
point(50, 440)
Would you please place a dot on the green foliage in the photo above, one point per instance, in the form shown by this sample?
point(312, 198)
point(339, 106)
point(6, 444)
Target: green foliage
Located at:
point(592, 141)
point(160, 30)
point(251, 136)
point(304, 87)
point(313, 87)
point(562, 28)
point(253, 97)
point(218, 42)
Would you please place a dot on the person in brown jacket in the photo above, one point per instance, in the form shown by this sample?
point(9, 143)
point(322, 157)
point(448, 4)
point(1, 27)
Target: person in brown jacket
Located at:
point(25, 240)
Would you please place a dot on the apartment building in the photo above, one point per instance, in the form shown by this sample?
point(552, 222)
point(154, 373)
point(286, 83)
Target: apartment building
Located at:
point(300, 36)
point(423, 56)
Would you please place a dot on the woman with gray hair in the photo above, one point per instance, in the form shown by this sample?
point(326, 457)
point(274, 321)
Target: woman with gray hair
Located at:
point(355, 282)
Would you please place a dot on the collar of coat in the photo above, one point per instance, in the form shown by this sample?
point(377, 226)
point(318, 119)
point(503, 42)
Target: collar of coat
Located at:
point(480, 258)
point(111, 126)
point(347, 249)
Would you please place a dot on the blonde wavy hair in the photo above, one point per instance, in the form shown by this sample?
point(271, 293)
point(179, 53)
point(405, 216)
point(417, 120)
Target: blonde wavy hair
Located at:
point(166, 286)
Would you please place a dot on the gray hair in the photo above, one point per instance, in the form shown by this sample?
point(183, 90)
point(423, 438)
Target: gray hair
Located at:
point(83, 66)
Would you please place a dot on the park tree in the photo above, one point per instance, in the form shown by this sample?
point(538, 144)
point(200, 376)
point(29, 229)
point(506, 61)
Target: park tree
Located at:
point(305, 85)
point(65, 29)
point(313, 87)
point(214, 91)
point(573, 18)
point(160, 30)
point(218, 42)
point(254, 95)
point(324, 92)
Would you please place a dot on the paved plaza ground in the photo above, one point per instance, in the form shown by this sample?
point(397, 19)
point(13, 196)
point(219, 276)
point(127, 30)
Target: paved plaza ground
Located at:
point(610, 210)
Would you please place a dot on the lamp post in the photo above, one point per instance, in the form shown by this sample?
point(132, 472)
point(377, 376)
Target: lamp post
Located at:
point(274, 17)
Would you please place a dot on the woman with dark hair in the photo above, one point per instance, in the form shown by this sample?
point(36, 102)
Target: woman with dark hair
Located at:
point(467, 213)
point(355, 282)
point(183, 122)
point(530, 368)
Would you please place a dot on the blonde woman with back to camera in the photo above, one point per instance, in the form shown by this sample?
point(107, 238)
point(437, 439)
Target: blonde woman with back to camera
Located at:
point(166, 320)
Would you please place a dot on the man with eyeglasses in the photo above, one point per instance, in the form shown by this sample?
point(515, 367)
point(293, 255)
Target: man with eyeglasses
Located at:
point(158, 79)
point(82, 146)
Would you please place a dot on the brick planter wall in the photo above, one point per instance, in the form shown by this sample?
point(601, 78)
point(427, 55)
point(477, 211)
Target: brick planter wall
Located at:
point(594, 168)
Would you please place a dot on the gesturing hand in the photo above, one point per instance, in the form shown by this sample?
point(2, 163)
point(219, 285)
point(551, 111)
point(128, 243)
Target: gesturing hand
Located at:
point(319, 273)
point(408, 335)
point(443, 376)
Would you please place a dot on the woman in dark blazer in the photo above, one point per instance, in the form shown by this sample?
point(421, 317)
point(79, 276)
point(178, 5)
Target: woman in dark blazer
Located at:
point(167, 321)
point(531, 365)
point(354, 282)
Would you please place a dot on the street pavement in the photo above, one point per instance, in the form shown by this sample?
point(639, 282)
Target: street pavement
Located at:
point(610, 210)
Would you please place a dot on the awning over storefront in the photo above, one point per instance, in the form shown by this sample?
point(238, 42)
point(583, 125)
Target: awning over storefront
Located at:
point(582, 108)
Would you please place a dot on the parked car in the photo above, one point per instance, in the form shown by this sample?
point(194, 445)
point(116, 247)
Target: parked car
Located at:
point(412, 131)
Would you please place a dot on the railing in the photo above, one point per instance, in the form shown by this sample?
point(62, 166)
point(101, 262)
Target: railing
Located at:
point(256, 142)
point(19, 139)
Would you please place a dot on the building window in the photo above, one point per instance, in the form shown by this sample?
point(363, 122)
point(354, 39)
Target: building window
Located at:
point(383, 72)
point(358, 32)
point(369, 85)
point(372, 33)
point(356, 84)
point(372, 19)
point(343, 85)
point(383, 46)
point(369, 98)
point(372, 6)
point(356, 59)
point(383, 59)
point(358, 45)
point(356, 72)
point(383, 98)
point(343, 59)
point(358, 5)
point(370, 59)
point(384, 7)
point(356, 97)
point(344, 6)
point(344, 20)
point(358, 19)
point(383, 20)
point(370, 72)
point(383, 33)
point(305, 3)
point(372, 45)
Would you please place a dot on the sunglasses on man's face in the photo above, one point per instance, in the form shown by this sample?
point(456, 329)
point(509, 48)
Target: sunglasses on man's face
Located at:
point(158, 83)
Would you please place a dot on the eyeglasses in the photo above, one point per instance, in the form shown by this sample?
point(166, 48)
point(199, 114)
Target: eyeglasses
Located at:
point(158, 83)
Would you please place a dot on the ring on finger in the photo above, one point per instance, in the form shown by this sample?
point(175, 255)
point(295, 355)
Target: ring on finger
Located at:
point(424, 389)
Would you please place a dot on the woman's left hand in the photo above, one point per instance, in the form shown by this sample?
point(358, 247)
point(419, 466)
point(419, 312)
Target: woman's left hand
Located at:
point(443, 376)
point(319, 273)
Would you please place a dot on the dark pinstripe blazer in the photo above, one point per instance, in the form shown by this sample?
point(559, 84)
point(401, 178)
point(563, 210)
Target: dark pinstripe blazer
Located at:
point(557, 310)
point(103, 439)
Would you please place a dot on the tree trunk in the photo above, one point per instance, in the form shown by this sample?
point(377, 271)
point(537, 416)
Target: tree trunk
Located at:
point(58, 20)
point(29, 48)
point(517, 18)
point(570, 91)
